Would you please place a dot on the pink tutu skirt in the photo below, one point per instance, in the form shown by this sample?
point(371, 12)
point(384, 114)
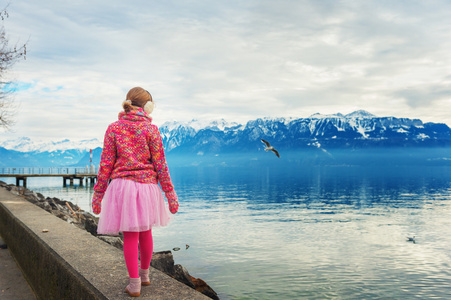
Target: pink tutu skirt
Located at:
point(132, 206)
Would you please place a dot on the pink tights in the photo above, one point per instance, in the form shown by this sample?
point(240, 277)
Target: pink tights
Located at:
point(131, 240)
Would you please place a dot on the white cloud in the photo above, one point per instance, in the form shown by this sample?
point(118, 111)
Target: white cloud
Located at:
point(237, 60)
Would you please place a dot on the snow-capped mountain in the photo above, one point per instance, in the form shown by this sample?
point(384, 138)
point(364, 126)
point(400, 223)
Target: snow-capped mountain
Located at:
point(216, 125)
point(176, 134)
point(25, 152)
point(354, 130)
point(325, 134)
point(25, 144)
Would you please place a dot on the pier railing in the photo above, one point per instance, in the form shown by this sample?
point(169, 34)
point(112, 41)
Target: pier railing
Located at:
point(67, 173)
point(48, 170)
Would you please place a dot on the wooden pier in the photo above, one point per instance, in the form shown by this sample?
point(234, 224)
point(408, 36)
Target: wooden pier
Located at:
point(68, 174)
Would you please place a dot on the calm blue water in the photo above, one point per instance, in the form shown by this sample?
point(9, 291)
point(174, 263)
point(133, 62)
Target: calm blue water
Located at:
point(307, 233)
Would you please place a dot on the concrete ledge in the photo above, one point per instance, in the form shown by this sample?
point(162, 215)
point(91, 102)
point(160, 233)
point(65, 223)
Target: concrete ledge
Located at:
point(69, 263)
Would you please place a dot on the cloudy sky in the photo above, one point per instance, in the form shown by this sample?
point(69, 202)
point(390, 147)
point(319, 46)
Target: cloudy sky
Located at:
point(237, 60)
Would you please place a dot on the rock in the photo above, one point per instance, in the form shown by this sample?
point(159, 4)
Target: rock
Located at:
point(27, 192)
point(90, 224)
point(57, 213)
point(45, 205)
point(51, 203)
point(163, 261)
point(67, 219)
point(202, 287)
point(31, 196)
point(63, 204)
point(32, 200)
point(112, 240)
point(15, 192)
point(60, 207)
point(182, 275)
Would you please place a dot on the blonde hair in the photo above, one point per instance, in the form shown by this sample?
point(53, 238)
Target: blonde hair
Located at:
point(137, 96)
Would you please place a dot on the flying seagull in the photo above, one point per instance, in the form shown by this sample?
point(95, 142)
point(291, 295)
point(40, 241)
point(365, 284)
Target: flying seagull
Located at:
point(270, 148)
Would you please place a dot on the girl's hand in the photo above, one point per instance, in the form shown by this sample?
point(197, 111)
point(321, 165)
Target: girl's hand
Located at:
point(96, 200)
point(172, 201)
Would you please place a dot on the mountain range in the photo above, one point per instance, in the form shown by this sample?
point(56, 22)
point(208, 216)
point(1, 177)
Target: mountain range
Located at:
point(25, 152)
point(356, 130)
point(324, 136)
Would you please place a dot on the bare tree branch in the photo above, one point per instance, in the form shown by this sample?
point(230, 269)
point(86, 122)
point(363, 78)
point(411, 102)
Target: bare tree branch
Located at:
point(8, 57)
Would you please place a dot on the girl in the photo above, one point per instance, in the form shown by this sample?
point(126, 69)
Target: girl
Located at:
point(133, 159)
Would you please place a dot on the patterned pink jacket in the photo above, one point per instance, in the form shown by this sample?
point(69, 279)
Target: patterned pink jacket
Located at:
point(133, 150)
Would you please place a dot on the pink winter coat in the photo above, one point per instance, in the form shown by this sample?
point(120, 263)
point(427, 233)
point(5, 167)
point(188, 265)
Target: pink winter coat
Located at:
point(133, 150)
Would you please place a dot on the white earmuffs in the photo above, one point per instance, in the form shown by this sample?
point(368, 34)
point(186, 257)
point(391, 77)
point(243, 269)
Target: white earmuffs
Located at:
point(148, 107)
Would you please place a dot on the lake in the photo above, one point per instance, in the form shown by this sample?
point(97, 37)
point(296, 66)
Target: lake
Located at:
point(268, 232)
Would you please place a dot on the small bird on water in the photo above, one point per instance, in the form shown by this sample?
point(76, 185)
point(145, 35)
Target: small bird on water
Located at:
point(411, 239)
point(270, 148)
